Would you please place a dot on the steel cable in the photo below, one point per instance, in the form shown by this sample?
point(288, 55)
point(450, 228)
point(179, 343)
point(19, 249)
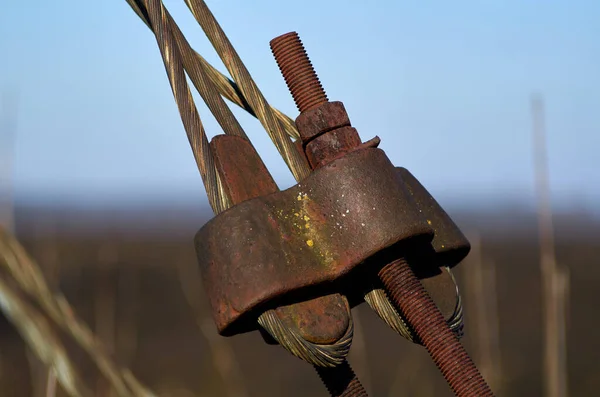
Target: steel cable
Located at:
point(292, 157)
point(185, 103)
point(199, 77)
point(225, 86)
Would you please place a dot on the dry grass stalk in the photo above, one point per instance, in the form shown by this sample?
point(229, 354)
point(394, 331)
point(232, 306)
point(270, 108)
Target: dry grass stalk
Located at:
point(48, 250)
point(39, 335)
point(30, 279)
point(51, 384)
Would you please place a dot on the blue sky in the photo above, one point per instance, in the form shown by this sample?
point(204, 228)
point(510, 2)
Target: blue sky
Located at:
point(446, 85)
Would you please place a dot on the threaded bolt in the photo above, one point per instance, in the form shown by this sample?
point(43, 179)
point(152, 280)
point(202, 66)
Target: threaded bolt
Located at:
point(404, 287)
point(298, 71)
point(341, 381)
point(429, 324)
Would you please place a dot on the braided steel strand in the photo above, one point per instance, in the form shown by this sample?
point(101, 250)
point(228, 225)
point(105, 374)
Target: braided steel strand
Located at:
point(456, 322)
point(185, 103)
point(204, 85)
point(199, 78)
point(226, 87)
point(249, 89)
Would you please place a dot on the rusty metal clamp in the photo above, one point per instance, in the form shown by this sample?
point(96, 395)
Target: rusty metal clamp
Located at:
point(355, 223)
point(307, 240)
point(311, 239)
point(273, 248)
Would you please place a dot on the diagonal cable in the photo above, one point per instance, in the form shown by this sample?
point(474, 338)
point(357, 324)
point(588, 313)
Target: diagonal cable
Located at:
point(225, 86)
point(292, 157)
point(183, 97)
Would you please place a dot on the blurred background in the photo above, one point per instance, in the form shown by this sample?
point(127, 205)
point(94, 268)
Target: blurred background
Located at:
point(492, 105)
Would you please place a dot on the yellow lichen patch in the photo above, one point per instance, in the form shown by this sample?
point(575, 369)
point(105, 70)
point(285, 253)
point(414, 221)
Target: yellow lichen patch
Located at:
point(296, 214)
point(306, 218)
point(310, 243)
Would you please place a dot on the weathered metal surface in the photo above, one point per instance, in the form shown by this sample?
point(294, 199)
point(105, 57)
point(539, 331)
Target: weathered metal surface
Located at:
point(244, 176)
point(261, 251)
point(322, 118)
point(323, 320)
point(450, 244)
point(448, 247)
point(300, 148)
point(331, 145)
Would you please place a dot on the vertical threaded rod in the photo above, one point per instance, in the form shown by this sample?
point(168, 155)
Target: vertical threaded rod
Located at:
point(405, 289)
point(297, 71)
point(341, 381)
point(428, 322)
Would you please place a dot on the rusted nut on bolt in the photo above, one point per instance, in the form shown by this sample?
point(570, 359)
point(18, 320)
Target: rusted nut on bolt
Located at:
point(325, 117)
point(328, 147)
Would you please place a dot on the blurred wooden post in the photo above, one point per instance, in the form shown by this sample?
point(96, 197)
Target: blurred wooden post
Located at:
point(554, 280)
point(482, 308)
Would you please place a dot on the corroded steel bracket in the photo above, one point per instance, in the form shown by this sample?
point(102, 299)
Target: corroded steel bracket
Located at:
point(450, 244)
point(322, 320)
point(260, 251)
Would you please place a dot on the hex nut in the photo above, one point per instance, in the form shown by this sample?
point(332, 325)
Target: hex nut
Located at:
point(325, 117)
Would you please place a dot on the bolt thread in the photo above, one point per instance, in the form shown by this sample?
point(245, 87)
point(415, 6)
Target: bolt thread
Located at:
point(341, 381)
point(298, 72)
point(429, 324)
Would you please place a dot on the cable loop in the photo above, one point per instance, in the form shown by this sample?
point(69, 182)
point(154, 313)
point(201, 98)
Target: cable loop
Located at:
point(378, 300)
